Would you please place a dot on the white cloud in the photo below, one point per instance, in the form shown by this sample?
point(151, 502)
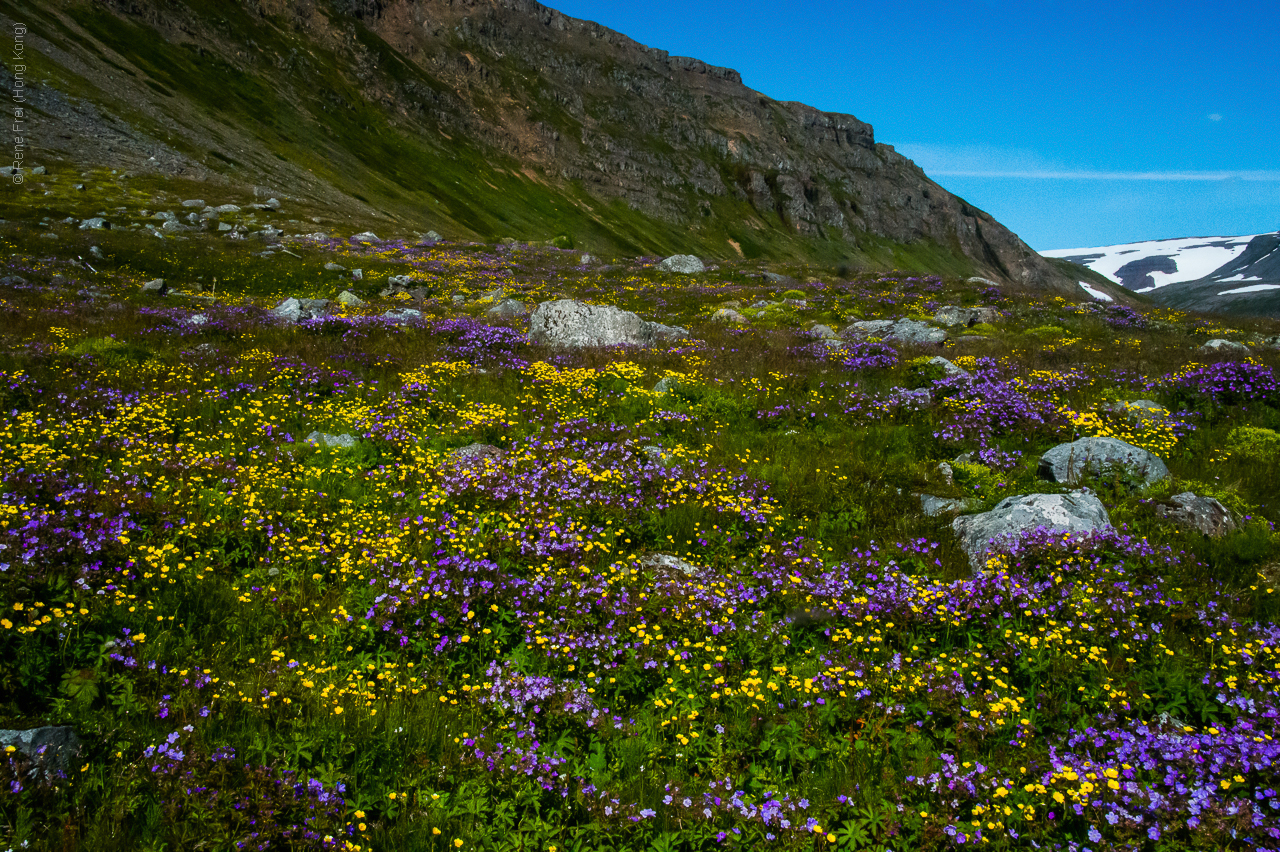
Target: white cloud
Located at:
point(983, 161)
point(1213, 116)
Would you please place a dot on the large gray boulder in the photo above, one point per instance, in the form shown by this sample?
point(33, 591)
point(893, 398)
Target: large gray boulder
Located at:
point(952, 315)
point(293, 310)
point(1069, 463)
point(1076, 512)
point(48, 749)
point(684, 264)
point(566, 322)
point(1205, 514)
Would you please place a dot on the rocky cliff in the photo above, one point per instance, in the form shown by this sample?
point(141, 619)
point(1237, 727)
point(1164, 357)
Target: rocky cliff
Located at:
point(486, 117)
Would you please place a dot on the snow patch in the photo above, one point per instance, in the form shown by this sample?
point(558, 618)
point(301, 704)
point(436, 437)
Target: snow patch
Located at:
point(1240, 277)
point(1195, 257)
point(1096, 293)
point(1253, 288)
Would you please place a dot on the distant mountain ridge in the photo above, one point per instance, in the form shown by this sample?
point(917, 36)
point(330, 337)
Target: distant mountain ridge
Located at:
point(1239, 275)
point(491, 118)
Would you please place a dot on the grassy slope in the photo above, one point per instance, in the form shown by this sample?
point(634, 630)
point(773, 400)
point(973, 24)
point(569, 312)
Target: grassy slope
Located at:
point(315, 117)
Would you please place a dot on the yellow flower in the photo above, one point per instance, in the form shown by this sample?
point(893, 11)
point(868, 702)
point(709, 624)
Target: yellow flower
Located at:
point(457, 842)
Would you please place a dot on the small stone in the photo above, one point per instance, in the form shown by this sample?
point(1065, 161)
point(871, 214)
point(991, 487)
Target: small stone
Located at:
point(945, 471)
point(935, 506)
point(431, 237)
point(357, 275)
point(193, 202)
point(476, 452)
point(155, 287)
point(334, 267)
point(824, 332)
point(586, 259)
point(97, 223)
point(351, 300)
point(197, 319)
point(345, 441)
point(953, 316)
point(38, 170)
point(227, 208)
point(223, 226)
point(365, 237)
point(729, 315)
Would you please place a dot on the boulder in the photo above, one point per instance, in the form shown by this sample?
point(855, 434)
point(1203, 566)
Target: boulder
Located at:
point(976, 279)
point(173, 225)
point(351, 300)
point(566, 322)
point(155, 287)
point(586, 259)
point(227, 208)
point(1217, 346)
point(1076, 512)
point(345, 441)
point(684, 264)
point(951, 316)
point(365, 237)
point(666, 385)
point(914, 331)
point(50, 749)
point(476, 452)
point(776, 278)
point(508, 308)
point(193, 202)
point(293, 310)
point(823, 332)
point(1205, 514)
point(666, 563)
point(429, 238)
point(400, 316)
point(97, 223)
point(869, 328)
point(935, 506)
point(1068, 463)
point(947, 367)
point(1141, 411)
point(729, 315)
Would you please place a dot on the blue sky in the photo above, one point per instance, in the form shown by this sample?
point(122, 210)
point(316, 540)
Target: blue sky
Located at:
point(1073, 123)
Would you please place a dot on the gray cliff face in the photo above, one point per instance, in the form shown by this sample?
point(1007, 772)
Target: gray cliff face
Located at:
point(669, 134)
point(512, 95)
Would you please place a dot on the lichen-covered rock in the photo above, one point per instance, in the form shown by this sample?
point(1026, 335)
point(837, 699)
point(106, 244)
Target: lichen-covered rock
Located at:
point(947, 367)
point(49, 750)
point(1069, 463)
point(952, 315)
point(1206, 514)
point(823, 332)
point(981, 534)
point(566, 322)
point(684, 264)
point(665, 562)
point(914, 331)
point(935, 506)
point(729, 315)
point(507, 308)
point(351, 300)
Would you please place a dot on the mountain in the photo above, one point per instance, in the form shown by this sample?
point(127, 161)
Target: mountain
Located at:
point(1235, 275)
point(486, 119)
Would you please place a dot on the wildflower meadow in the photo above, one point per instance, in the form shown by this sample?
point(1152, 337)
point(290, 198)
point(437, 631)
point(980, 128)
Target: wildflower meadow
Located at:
point(397, 581)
